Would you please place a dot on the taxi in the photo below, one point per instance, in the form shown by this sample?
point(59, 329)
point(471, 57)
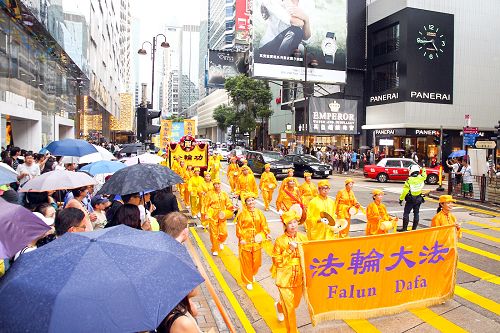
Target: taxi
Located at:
point(397, 169)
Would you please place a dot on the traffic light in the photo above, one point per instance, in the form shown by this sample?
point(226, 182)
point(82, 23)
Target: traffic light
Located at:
point(446, 138)
point(145, 126)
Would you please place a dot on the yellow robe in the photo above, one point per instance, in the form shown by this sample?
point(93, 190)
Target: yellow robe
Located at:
point(195, 188)
point(343, 201)
point(376, 214)
point(317, 230)
point(288, 274)
point(308, 191)
point(266, 179)
point(283, 185)
point(214, 167)
point(217, 202)
point(183, 188)
point(248, 225)
point(441, 219)
point(206, 188)
point(284, 201)
point(246, 184)
point(233, 171)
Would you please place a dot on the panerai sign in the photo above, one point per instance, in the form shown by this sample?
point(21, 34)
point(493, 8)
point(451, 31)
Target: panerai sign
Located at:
point(332, 116)
point(384, 98)
point(427, 132)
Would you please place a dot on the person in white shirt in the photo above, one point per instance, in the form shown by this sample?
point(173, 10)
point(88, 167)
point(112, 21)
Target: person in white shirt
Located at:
point(28, 170)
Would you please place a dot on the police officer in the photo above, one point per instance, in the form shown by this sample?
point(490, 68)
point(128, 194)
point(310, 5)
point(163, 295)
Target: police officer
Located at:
point(412, 194)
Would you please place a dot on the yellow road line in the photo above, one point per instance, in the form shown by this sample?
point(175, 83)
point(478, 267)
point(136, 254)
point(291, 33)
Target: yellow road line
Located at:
point(479, 273)
point(479, 234)
point(435, 320)
point(361, 325)
point(479, 251)
point(225, 288)
point(495, 220)
point(479, 210)
point(484, 225)
point(477, 299)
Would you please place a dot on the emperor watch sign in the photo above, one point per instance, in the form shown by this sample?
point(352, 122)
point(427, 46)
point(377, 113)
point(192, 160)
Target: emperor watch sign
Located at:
point(332, 116)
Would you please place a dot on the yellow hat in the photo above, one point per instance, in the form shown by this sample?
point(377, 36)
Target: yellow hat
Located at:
point(196, 169)
point(246, 195)
point(323, 182)
point(290, 216)
point(307, 174)
point(377, 192)
point(267, 165)
point(290, 170)
point(245, 167)
point(446, 198)
point(216, 181)
point(348, 180)
point(288, 179)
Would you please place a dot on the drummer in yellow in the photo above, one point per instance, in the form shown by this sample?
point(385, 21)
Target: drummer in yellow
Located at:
point(246, 182)
point(316, 228)
point(267, 185)
point(206, 188)
point(308, 190)
point(286, 270)
point(195, 189)
point(376, 213)
point(214, 165)
point(288, 195)
point(251, 230)
point(289, 175)
point(219, 210)
point(233, 172)
point(444, 215)
point(344, 200)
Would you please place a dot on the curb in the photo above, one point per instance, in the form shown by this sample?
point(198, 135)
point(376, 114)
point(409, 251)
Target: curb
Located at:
point(468, 203)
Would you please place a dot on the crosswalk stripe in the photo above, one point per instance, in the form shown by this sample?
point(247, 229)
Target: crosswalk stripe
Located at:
point(361, 325)
point(477, 299)
point(437, 321)
point(479, 273)
point(479, 234)
point(225, 288)
point(484, 225)
point(479, 251)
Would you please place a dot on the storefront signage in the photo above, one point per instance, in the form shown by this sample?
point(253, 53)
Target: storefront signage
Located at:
point(386, 142)
point(332, 116)
point(424, 96)
point(426, 132)
point(486, 144)
point(392, 131)
point(384, 98)
point(471, 130)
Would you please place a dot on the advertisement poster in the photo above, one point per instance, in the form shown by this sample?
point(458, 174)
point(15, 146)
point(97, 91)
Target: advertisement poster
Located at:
point(333, 116)
point(222, 65)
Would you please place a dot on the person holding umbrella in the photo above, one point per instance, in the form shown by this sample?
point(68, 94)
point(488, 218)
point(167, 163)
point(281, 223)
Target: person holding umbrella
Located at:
point(220, 208)
point(267, 185)
point(195, 189)
point(344, 200)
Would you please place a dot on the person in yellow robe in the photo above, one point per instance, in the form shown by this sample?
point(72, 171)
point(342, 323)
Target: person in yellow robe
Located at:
point(316, 228)
point(251, 230)
point(286, 270)
point(376, 213)
point(214, 165)
point(308, 190)
point(206, 188)
point(233, 171)
point(268, 184)
point(246, 182)
point(444, 215)
point(344, 200)
point(195, 188)
point(185, 173)
point(289, 175)
point(219, 210)
point(288, 195)
point(244, 162)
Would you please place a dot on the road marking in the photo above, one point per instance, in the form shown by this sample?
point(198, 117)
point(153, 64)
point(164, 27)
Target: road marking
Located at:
point(479, 210)
point(477, 299)
point(479, 273)
point(495, 220)
point(479, 234)
point(225, 288)
point(435, 320)
point(361, 325)
point(479, 251)
point(484, 225)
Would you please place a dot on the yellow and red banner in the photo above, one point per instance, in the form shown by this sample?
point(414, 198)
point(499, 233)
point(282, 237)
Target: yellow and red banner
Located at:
point(196, 157)
point(363, 277)
point(165, 133)
point(189, 127)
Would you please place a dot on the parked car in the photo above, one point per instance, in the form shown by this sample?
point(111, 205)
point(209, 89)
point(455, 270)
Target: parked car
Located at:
point(240, 154)
point(308, 163)
point(223, 152)
point(257, 160)
point(397, 169)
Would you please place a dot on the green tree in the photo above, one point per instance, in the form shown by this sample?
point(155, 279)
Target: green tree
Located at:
point(225, 116)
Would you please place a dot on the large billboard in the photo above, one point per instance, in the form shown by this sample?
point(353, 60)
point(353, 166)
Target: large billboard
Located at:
point(241, 31)
point(288, 35)
point(222, 65)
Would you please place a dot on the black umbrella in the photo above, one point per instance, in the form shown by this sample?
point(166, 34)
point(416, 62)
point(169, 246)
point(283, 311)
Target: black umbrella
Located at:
point(139, 178)
point(130, 148)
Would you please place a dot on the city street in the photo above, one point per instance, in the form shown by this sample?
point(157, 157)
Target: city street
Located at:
point(473, 308)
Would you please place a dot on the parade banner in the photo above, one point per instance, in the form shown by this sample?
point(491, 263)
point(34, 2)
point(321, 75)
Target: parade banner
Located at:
point(165, 133)
point(189, 127)
point(363, 277)
point(197, 157)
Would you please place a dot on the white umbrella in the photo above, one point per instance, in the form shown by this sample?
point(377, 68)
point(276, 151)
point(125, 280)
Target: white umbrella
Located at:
point(146, 158)
point(102, 154)
point(58, 180)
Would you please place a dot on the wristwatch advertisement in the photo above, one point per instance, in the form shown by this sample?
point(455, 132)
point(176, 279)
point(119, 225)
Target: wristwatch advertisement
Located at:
point(329, 47)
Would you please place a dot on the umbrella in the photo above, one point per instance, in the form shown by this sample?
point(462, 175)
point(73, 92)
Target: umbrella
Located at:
point(71, 147)
point(18, 227)
point(117, 279)
point(139, 178)
point(57, 180)
point(102, 167)
point(7, 174)
point(146, 158)
point(130, 148)
point(458, 153)
point(102, 155)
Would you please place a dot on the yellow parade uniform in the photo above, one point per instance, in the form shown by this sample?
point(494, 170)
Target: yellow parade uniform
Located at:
point(442, 218)
point(206, 188)
point(216, 203)
point(317, 230)
point(195, 188)
point(233, 171)
point(214, 166)
point(183, 188)
point(308, 191)
point(343, 201)
point(288, 274)
point(246, 184)
point(376, 214)
point(267, 185)
point(284, 201)
point(249, 224)
point(283, 183)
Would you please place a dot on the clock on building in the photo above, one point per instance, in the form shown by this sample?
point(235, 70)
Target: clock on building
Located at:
point(431, 42)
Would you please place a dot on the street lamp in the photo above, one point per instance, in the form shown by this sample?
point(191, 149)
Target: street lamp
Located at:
point(142, 51)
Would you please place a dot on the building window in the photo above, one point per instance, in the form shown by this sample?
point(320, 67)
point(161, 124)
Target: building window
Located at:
point(386, 40)
point(229, 11)
point(385, 77)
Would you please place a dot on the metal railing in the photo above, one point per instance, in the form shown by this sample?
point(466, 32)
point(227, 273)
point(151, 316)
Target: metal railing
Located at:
point(484, 188)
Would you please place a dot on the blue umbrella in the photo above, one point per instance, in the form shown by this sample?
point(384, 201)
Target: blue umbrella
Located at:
point(7, 174)
point(117, 279)
point(101, 167)
point(458, 153)
point(71, 147)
